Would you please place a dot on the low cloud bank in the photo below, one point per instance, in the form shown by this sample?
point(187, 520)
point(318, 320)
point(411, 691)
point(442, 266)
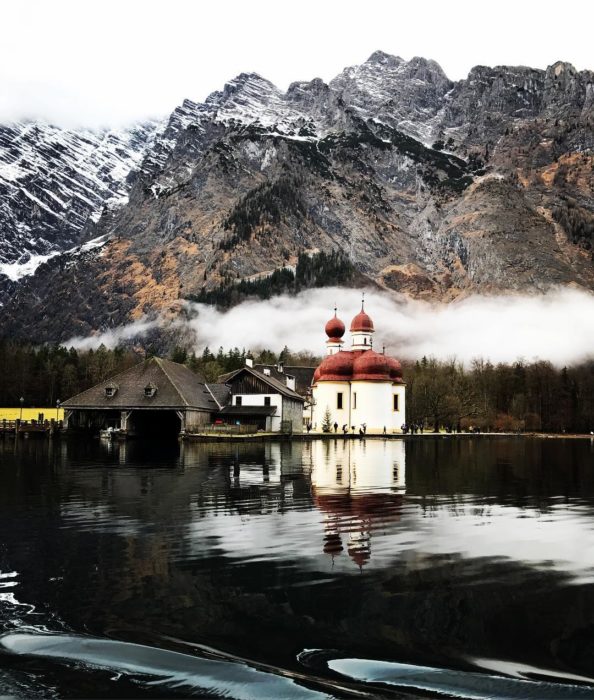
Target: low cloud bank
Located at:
point(114, 337)
point(558, 326)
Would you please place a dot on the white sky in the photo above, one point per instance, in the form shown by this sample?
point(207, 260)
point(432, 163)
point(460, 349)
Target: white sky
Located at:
point(113, 61)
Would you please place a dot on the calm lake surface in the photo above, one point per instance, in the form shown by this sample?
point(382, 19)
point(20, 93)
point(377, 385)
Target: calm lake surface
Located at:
point(326, 569)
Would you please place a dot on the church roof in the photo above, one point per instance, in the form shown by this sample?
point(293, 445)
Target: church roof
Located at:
point(175, 386)
point(358, 365)
point(362, 323)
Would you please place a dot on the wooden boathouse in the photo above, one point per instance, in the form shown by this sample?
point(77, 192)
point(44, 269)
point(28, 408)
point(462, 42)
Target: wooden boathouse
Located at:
point(156, 397)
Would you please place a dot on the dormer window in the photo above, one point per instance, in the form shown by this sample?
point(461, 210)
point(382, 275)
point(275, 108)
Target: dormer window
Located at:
point(110, 390)
point(150, 390)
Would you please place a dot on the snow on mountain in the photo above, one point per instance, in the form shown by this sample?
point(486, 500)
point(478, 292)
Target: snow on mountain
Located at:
point(53, 182)
point(247, 100)
point(406, 95)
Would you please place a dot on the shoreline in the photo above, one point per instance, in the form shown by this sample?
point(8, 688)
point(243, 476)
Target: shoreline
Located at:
point(310, 437)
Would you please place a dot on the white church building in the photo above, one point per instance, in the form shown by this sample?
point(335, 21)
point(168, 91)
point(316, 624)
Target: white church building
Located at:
point(358, 388)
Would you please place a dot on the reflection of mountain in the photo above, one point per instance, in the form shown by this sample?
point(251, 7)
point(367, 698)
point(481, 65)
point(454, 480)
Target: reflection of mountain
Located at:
point(358, 486)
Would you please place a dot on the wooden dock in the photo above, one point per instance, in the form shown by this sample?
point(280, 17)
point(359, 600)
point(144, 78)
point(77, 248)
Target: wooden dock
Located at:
point(30, 428)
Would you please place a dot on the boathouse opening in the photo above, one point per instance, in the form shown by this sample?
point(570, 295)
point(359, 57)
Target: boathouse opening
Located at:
point(158, 424)
point(93, 420)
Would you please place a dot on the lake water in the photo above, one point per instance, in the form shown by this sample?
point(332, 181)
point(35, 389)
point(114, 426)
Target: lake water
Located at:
point(363, 568)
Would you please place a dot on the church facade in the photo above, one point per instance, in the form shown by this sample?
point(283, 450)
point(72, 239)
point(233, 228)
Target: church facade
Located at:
point(357, 389)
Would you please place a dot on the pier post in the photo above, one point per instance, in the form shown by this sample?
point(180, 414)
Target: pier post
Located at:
point(124, 417)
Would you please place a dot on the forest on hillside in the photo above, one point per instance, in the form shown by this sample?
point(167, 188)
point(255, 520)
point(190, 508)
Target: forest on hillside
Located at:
point(316, 270)
point(520, 396)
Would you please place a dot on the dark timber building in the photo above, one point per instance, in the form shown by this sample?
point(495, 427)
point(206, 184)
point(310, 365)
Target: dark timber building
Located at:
point(154, 397)
point(158, 397)
point(263, 401)
point(295, 377)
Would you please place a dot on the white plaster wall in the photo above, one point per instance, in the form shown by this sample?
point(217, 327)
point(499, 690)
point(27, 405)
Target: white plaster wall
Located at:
point(333, 347)
point(361, 340)
point(375, 406)
point(258, 400)
point(324, 395)
point(400, 416)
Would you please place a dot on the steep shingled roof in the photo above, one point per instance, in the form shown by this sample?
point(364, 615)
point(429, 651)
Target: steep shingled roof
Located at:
point(278, 387)
point(220, 392)
point(176, 387)
point(303, 375)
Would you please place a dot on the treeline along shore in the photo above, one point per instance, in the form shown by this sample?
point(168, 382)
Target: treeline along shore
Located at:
point(521, 396)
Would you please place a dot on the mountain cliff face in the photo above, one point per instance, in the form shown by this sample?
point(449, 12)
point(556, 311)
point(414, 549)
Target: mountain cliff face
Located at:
point(54, 182)
point(432, 188)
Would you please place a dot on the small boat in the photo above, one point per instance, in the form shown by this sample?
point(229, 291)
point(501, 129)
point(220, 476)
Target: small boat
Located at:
point(109, 433)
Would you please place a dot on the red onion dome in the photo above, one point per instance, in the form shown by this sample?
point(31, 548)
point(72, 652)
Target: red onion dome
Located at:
point(395, 369)
point(337, 367)
point(335, 328)
point(372, 366)
point(361, 322)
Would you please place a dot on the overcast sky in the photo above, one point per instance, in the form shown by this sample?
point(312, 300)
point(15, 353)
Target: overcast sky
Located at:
point(113, 61)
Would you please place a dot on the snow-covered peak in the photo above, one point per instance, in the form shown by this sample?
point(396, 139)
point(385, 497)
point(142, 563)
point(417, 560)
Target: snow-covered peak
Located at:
point(404, 94)
point(250, 99)
point(54, 181)
point(383, 59)
point(247, 100)
point(245, 84)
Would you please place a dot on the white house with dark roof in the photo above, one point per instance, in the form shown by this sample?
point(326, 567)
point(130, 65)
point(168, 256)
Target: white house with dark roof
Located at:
point(263, 401)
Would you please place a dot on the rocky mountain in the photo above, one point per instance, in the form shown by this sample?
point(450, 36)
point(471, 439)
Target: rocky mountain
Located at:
point(426, 186)
point(55, 182)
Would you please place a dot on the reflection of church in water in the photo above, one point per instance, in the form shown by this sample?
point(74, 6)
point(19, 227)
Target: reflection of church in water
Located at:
point(358, 486)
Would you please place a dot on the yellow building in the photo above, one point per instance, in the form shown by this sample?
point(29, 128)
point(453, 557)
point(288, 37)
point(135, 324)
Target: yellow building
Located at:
point(51, 413)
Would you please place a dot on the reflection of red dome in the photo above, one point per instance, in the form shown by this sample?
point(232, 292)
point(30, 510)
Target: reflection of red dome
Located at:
point(357, 514)
point(335, 328)
point(361, 322)
point(333, 543)
point(360, 555)
point(351, 505)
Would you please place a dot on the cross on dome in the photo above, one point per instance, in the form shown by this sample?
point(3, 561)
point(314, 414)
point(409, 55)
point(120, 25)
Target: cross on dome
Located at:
point(362, 322)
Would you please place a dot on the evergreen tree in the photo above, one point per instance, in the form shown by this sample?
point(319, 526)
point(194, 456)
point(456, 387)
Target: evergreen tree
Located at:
point(327, 422)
